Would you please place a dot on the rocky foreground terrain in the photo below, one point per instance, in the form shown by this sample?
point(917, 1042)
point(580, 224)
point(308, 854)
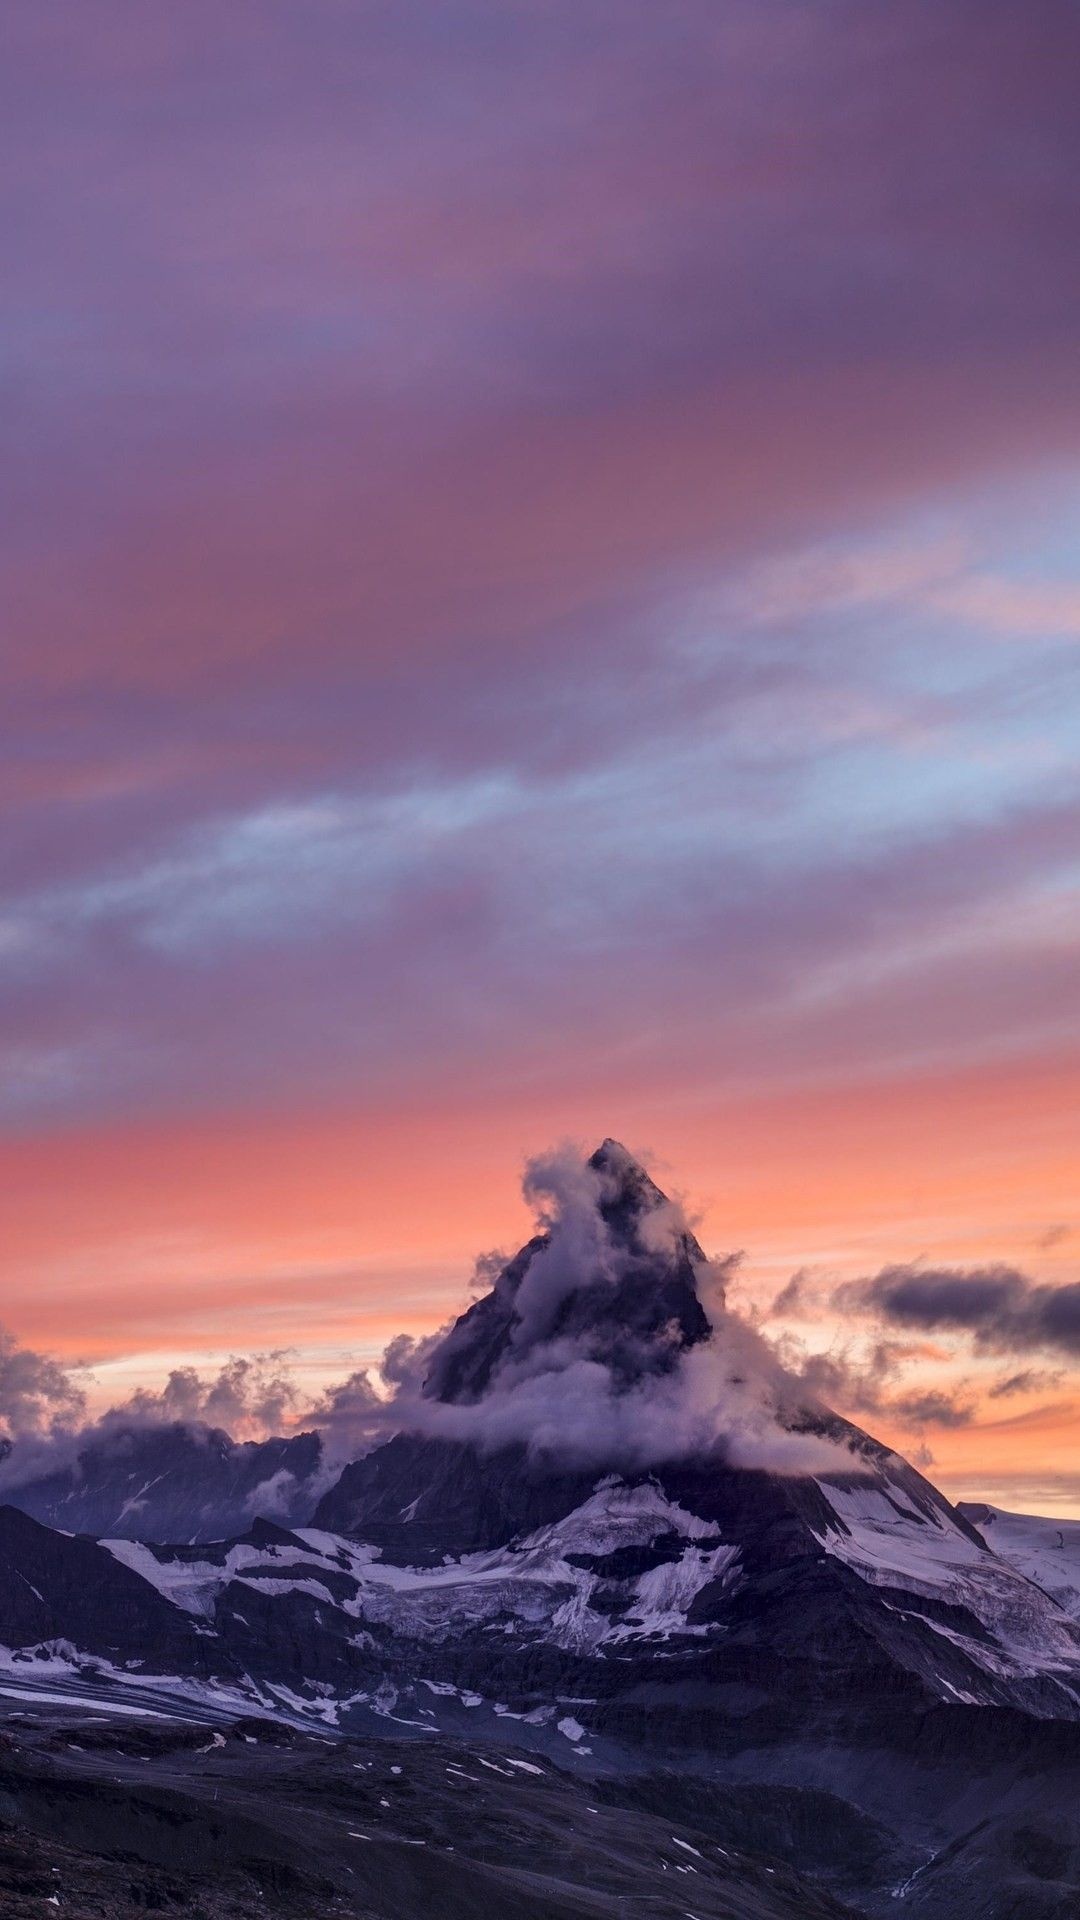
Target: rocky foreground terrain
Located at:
point(112, 1819)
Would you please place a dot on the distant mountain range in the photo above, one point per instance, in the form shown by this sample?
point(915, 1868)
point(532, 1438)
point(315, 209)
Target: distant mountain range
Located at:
point(842, 1634)
point(174, 1482)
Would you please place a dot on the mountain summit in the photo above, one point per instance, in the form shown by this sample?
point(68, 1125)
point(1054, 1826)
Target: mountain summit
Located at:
point(613, 1279)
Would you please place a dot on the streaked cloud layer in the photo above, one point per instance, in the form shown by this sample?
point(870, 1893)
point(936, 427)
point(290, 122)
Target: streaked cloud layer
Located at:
point(541, 597)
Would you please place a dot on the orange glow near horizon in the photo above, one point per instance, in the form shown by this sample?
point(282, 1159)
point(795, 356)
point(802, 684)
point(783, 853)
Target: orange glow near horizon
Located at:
point(327, 1235)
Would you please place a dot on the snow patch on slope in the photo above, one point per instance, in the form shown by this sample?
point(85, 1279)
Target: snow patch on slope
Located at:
point(1044, 1550)
point(535, 1585)
point(888, 1544)
point(191, 1585)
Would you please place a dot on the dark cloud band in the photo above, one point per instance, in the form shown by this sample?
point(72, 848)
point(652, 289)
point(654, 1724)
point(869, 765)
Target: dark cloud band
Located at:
point(1001, 1308)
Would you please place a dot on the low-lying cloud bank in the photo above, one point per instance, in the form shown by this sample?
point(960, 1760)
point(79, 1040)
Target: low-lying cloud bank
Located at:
point(912, 1317)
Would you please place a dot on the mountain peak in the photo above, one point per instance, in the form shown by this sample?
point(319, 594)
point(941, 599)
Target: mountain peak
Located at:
point(616, 1163)
point(612, 1277)
point(612, 1154)
point(627, 1192)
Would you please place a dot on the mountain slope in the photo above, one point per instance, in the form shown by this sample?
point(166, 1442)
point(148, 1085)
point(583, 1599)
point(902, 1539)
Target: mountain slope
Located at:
point(57, 1588)
point(617, 1645)
point(1044, 1550)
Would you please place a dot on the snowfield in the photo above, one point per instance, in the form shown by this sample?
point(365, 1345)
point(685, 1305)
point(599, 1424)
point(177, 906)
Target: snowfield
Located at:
point(925, 1554)
point(622, 1573)
point(534, 1584)
point(1043, 1550)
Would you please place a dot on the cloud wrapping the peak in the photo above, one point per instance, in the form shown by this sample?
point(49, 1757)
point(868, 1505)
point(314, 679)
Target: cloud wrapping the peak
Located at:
point(566, 1193)
point(726, 1397)
point(634, 1394)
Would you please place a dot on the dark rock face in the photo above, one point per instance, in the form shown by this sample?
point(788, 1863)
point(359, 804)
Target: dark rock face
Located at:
point(53, 1587)
point(419, 1499)
point(175, 1482)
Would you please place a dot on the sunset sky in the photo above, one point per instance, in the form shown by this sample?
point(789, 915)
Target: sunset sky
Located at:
point(541, 599)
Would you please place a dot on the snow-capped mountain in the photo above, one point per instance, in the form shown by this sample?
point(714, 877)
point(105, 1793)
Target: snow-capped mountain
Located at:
point(865, 1567)
point(475, 1559)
